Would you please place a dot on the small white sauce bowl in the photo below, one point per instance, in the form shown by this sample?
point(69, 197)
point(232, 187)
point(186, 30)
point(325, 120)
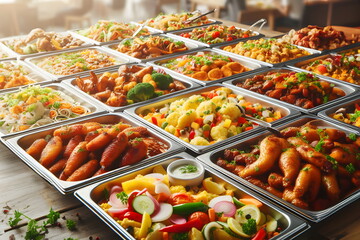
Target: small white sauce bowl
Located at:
point(194, 180)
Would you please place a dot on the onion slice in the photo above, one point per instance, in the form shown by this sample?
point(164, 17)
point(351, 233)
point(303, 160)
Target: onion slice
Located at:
point(219, 199)
point(115, 202)
point(116, 188)
point(164, 213)
point(177, 219)
point(157, 176)
point(225, 207)
point(161, 187)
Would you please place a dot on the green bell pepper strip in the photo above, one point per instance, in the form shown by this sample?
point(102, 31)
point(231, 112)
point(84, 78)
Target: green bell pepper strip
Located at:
point(186, 209)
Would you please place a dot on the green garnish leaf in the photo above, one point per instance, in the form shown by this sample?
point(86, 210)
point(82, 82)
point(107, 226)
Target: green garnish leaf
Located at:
point(188, 169)
point(123, 197)
point(249, 227)
point(70, 224)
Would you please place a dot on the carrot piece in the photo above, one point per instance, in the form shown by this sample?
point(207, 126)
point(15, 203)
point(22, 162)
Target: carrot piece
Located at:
point(250, 200)
point(212, 215)
point(36, 148)
point(76, 159)
point(165, 236)
point(51, 151)
point(58, 166)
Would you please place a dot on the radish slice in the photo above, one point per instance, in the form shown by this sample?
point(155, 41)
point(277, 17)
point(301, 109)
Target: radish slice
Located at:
point(157, 176)
point(161, 187)
point(225, 207)
point(118, 213)
point(164, 213)
point(177, 219)
point(215, 200)
point(115, 202)
point(156, 203)
point(142, 192)
point(116, 189)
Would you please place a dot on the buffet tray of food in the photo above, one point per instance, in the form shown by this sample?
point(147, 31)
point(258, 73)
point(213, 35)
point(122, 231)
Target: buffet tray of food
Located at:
point(177, 21)
point(189, 207)
point(295, 88)
point(270, 51)
point(73, 155)
point(203, 119)
point(216, 34)
point(6, 54)
point(38, 42)
point(33, 107)
point(309, 167)
point(341, 65)
point(72, 62)
point(208, 66)
point(325, 39)
point(17, 73)
point(129, 85)
point(345, 113)
point(153, 47)
point(105, 32)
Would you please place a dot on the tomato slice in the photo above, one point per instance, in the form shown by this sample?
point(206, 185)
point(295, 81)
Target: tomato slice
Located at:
point(180, 198)
point(204, 218)
point(322, 69)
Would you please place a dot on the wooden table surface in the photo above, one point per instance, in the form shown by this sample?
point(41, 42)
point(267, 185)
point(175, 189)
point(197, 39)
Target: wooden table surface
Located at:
point(23, 190)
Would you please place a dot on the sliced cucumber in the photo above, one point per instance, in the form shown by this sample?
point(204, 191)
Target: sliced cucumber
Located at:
point(237, 203)
point(208, 229)
point(143, 204)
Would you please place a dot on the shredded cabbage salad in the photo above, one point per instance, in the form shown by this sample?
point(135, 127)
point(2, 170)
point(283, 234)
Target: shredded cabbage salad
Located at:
point(36, 106)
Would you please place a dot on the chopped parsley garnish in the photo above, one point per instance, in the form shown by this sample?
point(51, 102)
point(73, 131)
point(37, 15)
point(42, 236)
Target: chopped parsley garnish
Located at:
point(350, 168)
point(249, 227)
point(188, 169)
point(352, 136)
point(123, 197)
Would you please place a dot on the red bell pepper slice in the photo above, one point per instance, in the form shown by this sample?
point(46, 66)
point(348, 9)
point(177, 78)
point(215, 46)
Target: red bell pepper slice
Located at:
point(185, 227)
point(260, 235)
point(133, 216)
point(131, 197)
point(357, 106)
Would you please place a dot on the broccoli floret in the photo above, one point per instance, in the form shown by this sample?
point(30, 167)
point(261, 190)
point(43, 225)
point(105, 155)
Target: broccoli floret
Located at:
point(249, 227)
point(162, 80)
point(141, 92)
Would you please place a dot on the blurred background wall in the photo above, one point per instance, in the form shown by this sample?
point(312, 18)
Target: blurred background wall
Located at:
point(20, 16)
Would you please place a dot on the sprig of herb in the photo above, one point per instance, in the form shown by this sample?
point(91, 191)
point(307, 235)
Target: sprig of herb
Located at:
point(188, 169)
point(70, 224)
point(123, 197)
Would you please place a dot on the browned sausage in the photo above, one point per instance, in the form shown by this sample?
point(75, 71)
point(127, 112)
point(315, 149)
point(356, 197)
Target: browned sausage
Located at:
point(71, 145)
point(290, 132)
point(274, 191)
point(270, 150)
point(99, 142)
point(85, 171)
point(331, 186)
point(113, 150)
point(136, 152)
point(51, 151)
point(275, 180)
point(289, 163)
point(309, 134)
point(134, 132)
point(76, 159)
point(303, 181)
point(58, 166)
point(36, 148)
point(289, 196)
point(67, 132)
point(315, 183)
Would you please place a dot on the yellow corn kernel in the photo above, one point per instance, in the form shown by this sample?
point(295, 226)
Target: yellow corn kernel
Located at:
point(227, 123)
point(195, 125)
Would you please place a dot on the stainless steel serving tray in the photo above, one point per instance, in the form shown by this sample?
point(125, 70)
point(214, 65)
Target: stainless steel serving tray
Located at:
point(23, 56)
point(348, 105)
point(33, 74)
point(91, 195)
point(311, 52)
point(18, 145)
point(179, 32)
point(82, 37)
point(72, 83)
point(349, 90)
point(212, 21)
point(298, 65)
point(253, 66)
point(94, 108)
point(34, 60)
point(9, 54)
point(314, 216)
point(189, 44)
point(288, 113)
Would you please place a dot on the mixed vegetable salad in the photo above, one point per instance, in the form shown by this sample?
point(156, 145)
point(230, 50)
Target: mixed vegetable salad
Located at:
point(36, 106)
point(75, 62)
point(209, 117)
point(347, 116)
point(149, 207)
point(344, 66)
point(105, 31)
point(217, 34)
point(13, 75)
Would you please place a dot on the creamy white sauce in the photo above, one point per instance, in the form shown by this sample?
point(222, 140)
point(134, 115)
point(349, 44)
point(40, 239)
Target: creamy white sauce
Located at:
point(179, 171)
